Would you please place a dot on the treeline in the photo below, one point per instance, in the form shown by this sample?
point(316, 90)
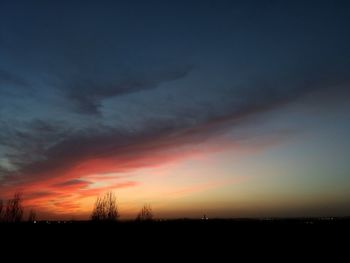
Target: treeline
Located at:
point(105, 210)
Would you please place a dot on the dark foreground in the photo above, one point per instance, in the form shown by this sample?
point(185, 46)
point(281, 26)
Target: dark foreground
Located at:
point(175, 237)
point(187, 227)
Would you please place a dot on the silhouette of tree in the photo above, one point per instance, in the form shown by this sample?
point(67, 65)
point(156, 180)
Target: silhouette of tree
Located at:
point(32, 215)
point(105, 208)
point(1, 207)
point(146, 214)
point(14, 209)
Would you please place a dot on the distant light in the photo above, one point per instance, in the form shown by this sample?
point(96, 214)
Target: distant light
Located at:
point(34, 222)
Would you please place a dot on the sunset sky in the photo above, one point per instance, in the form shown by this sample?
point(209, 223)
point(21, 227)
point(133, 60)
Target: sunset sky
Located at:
point(224, 108)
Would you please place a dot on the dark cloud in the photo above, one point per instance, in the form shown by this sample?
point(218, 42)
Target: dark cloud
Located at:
point(39, 194)
point(86, 92)
point(40, 148)
point(73, 182)
point(26, 142)
point(129, 148)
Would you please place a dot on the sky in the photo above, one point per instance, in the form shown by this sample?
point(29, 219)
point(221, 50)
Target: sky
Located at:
point(223, 108)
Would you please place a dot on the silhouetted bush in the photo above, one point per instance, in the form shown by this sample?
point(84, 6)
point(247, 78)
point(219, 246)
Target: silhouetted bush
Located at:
point(1, 208)
point(146, 214)
point(105, 208)
point(14, 209)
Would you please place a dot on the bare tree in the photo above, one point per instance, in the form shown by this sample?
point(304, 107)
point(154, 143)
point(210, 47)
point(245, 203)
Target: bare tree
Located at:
point(146, 213)
point(105, 208)
point(32, 215)
point(1, 207)
point(14, 209)
point(98, 214)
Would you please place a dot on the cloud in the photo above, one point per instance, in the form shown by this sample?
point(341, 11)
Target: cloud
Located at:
point(87, 92)
point(39, 195)
point(60, 154)
point(73, 182)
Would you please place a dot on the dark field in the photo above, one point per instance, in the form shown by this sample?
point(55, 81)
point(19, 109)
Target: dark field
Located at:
point(176, 237)
point(187, 226)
